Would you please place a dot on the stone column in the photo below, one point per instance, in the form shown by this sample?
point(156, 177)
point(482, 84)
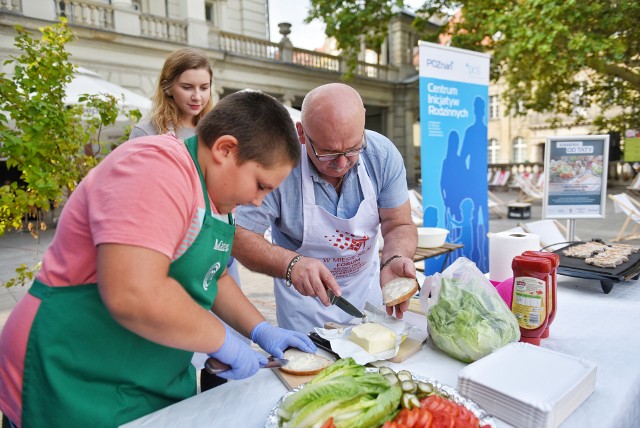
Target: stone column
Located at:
point(287, 97)
point(216, 92)
point(126, 20)
point(197, 28)
point(40, 9)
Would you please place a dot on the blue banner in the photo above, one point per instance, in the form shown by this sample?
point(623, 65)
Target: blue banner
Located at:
point(453, 120)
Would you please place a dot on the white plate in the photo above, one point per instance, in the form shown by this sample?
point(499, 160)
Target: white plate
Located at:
point(521, 378)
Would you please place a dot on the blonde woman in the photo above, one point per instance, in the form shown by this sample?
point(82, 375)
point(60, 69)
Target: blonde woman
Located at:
point(182, 97)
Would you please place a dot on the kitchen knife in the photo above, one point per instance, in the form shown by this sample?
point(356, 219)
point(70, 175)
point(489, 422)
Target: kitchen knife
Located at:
point(323, 344)
point(214, 366)
point(344, 304)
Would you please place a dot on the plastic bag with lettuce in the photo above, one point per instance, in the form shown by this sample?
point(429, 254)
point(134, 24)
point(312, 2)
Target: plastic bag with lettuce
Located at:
point(466, 317)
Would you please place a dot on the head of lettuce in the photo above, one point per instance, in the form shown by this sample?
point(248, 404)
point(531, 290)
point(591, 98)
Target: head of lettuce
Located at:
point(466, 317)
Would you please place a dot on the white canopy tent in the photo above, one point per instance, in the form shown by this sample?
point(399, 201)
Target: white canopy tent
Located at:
point(296, 115)
point(89, 82)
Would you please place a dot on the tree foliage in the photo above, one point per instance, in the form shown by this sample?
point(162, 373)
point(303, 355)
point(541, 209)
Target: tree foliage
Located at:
point(353, 22)
point(52, 145)
point(553, 55)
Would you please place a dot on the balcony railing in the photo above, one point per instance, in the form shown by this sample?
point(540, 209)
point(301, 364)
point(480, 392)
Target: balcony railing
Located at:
point(85, 13)
point(157, 27)
point(10, 6)
point(317, 60)
point(248, 46)
point(102, 16)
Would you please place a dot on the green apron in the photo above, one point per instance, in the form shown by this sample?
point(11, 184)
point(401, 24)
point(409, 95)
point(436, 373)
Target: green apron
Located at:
point(83, 369)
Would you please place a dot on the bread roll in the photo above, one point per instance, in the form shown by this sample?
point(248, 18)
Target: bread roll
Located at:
point(303, 363)
point(398, 290)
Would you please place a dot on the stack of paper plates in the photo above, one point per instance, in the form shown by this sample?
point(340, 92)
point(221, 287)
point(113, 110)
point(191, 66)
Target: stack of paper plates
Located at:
point(528, 386)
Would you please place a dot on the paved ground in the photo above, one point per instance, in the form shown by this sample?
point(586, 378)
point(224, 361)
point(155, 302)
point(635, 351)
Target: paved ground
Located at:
point(17, 248)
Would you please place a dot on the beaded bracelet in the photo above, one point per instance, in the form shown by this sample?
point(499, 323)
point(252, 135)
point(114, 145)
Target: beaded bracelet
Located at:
point(292, 263)
point(389, 260)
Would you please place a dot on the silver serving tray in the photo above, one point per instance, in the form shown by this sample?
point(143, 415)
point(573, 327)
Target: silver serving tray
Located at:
point(273, 420)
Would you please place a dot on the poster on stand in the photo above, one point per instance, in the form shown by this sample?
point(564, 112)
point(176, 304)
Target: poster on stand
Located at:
point(575, 176)
point(454, 91)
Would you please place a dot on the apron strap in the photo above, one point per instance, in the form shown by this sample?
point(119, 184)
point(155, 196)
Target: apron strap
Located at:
point(192, 146)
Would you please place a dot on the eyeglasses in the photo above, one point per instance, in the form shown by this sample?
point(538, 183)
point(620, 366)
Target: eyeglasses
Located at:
point(333, 156)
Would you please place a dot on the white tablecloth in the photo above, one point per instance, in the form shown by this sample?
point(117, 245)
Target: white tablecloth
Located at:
point(603, 328)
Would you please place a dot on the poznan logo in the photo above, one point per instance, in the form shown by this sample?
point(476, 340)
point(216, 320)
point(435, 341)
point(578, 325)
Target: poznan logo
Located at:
point(210, 275)
point(436, 63)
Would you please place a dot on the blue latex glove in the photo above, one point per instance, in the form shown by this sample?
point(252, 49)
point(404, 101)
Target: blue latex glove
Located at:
point(243, 360)
point(275, 340)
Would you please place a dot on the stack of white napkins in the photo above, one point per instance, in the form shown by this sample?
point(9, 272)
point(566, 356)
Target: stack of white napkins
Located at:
point(528, 386)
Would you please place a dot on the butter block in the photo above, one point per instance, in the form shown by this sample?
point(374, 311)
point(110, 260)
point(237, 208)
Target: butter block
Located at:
point(373, 338)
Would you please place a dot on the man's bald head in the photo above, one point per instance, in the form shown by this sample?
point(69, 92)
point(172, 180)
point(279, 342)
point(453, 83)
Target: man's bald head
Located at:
point(333, 108)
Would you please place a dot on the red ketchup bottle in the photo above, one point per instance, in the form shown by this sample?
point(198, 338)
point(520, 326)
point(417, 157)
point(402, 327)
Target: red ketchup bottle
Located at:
point(553, 302)
point(530, 302)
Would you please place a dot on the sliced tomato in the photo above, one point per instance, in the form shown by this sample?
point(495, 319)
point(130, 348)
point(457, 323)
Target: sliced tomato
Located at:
point(425, 419)
point(446, 412)
point(329, 423)
point(443, 420)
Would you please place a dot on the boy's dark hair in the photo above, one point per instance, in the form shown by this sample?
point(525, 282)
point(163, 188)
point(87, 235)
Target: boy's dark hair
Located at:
point(260, 123)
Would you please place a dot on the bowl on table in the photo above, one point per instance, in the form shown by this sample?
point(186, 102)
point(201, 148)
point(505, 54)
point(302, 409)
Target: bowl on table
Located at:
point(431, 237)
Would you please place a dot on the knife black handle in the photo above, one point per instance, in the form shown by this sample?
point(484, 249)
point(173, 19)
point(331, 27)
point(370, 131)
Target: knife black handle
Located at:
point(323, 344)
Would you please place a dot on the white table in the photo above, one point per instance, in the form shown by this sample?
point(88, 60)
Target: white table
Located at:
point(603, 328)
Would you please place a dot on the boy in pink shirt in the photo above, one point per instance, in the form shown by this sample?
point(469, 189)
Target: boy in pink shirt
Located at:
point(138, 258)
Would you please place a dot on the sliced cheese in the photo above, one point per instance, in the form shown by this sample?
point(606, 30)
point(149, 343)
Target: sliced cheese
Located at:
point(373, 338)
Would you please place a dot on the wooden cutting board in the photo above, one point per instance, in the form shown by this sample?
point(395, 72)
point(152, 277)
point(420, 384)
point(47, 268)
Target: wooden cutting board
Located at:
point(291, 381)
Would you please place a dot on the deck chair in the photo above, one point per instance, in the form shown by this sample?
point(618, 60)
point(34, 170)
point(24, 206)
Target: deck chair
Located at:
point(634, 187)
point(500, 180)
point(623, 203)
point(417, 214)
point(496, 205)
point(553, 235)
point(528, 192)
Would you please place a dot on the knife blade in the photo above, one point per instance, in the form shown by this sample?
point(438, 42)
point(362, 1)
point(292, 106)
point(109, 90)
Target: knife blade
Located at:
point(214, 366)
point(344, 304)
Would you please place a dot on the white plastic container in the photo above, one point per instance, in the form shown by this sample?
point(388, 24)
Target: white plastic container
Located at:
point(431, 237)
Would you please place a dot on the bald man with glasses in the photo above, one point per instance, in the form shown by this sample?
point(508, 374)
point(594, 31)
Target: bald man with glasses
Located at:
point(326, 215)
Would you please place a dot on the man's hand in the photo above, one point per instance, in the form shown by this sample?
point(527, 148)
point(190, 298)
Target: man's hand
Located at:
point(401, 267)
point(312, 278)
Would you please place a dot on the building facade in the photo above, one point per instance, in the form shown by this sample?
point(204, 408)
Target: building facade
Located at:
point(126, 42)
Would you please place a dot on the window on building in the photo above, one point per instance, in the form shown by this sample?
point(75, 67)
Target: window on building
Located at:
point(577, 99)
point(518, 109)
point(493, 155)
point(519, 150)
point(208, 11)
point(494, 107)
